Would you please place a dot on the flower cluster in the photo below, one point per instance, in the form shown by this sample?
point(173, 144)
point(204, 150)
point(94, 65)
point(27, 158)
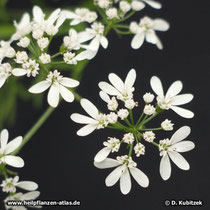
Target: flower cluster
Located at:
point(136, 135)
point(9, 184)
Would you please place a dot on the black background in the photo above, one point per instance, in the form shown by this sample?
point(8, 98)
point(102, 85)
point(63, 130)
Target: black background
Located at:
point(62, 163)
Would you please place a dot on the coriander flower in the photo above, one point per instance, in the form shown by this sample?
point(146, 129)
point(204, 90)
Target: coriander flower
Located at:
point(149, 136)
point(167, 125)
point(128, 138)
point(139, 149)
point(30, 196)
point(70, 58)
point(6, 51)
point(125, 6)
point(171, 148)
point(148, 97)
point(103, 3)
point(149, 109)
point(172, 100)
point(10, 184)
point(112, 118)
point(125, 167)
point(123, 114)
point(112, 13)
point(96, 121)
point(111, 145)
point(5, 72)
point(137, 5)
point(123, 90)
point(21, 57)
point(57, 85)
point(23, 42)
point(7, 148)
point(45, 58)
point(146, 30)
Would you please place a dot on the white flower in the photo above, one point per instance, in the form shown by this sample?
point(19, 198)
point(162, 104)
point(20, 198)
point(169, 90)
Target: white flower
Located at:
point(130, 104)
point(152, 3)
point(45, 58)
point(103, 3)
point(112, 13)
point(125, 6)
point(123, 90)
point(171, 100)
point(146, 30)
point(21, 57)
point(149, 109)
point(50, 26)
point(112, 103)
point(21, 197)
point(128, 138)
point(112, 118)
point(96, 35)
point(81, 15)
point(97, 120)
point(22, 28)
point(43, 43)
point(70, 58)
point(125, 166)
point(167, 125)
point(6, 50)
point(7, 148)
point(73, 41)
point(149, 136)
point(5, 72)
point(171, 148)
point(10, 184)
point(123, 113)
point(29, 68)
point(111, 145)
point(139, 149)
point(148, 97)
point(24, 42)
point(57, 85)
point(137, 6)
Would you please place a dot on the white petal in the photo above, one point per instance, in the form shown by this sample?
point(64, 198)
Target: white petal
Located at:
point(86, 54)
point(40, 87)
point(4, 138)
point(107, 88)
point(74, 22)
point(125, 182)
point(183, 146)
point(24, 20)
point(93, 46)
point(84, 36)
point(137, 40)
point(38, 14)
point(159, 43)
point(179, 160)
point(130, 79)
point(107, 163)
point(82, 119)
point(174, 89)
point(151, 37)
point(68, 82)
point(89, 107)
point(156, 86)
point(19, 72)
point(53, 17)
point(13, 145)
point(180, 134)
point(66, 94)
point(69, 14)
point(116, 82)
point(114, 176)
point(14, 161)
point(27, 185)
point(104, 42)
point(104, 96)
point(53, 96)
point(160, 25)
point(165, 167)
point(153, 4)
point(86, 130)
point(30, 195)
point(183, 112)
point(102, 154)
point(140, 177)
point(3, 79)
point(61, 19)
point(181, 99)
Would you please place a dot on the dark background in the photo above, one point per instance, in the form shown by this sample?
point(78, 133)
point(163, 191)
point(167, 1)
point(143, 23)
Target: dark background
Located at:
point(62, 163)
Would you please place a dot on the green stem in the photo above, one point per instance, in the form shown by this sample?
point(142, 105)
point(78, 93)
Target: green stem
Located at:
point(150, 118)
point(34, 129)
point(122, 32)
point(130, 150)
point(55, 55)
point(127, 122)
point(122, 26)
point(131, 116)
point(151, 129)
point(127, 16)
point(155, 144)
point(139, 120)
